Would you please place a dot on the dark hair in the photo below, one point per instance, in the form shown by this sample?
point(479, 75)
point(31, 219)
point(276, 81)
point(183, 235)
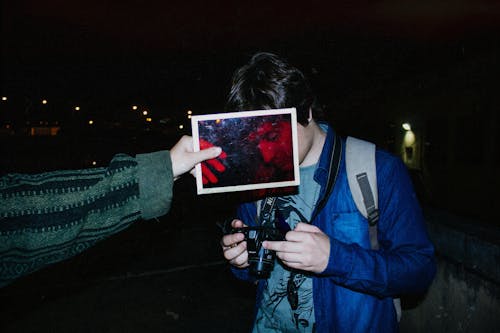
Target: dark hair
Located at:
point(269, 82)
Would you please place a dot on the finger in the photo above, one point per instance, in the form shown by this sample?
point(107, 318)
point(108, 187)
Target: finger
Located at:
point(206, 172)
point(241, 260)
point(205, 154)
point(306, 227)
point(299, 236)
point(289, 258)
point(231, 253)
point(217, 165)
point(282, 246)
point(230, 239)
point(237, 223)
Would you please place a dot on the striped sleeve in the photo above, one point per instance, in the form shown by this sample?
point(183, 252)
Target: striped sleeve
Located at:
point(49, 217)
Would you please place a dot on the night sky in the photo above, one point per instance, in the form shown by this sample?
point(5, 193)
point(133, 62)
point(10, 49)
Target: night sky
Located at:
point(175, 55)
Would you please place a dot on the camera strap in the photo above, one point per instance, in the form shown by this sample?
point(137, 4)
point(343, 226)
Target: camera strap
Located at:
point(266, 208)
point(267, 205)
point(333, 171)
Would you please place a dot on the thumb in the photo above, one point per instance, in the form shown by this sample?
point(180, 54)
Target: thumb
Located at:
point(206, 154)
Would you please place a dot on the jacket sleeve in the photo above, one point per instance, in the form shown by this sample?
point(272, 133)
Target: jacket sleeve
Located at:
point(405, 262)
point(49, 217)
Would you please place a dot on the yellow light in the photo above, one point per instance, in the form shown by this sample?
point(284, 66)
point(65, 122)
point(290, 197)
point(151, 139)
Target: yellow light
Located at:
point(189, 112)
point(77, 108)
point(189, 116)
point(145, 112)
point(218, 121)
point(406, 127)
point(94, 163)
point(409, 138)
point(44, 101)
point(134, 107)
point(4, 98)
point(91, 122)
point(149, 119)
point(181, 126)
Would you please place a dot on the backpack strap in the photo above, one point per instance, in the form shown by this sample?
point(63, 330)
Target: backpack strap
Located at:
point(362, 178)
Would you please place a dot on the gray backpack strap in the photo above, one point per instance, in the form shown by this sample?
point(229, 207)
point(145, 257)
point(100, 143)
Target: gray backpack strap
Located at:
point(362, 178)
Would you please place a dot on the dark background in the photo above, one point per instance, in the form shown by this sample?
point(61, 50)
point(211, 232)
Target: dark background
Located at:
point(372, 64)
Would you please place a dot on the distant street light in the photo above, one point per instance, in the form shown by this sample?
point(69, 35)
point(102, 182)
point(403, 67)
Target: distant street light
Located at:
point(181, 126)
point(134, 107)
point(4, 98)
point(91, 122)
point(145, 112)
point(44, 101)
point(406, 127)
point(77, 108)
point(148, 119)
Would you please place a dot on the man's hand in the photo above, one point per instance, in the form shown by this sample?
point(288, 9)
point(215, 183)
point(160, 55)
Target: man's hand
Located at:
point(184, 158)
point(306, 248)
point(234, 246)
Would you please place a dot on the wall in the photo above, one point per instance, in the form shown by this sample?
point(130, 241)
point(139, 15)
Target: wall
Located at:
point(465, 295)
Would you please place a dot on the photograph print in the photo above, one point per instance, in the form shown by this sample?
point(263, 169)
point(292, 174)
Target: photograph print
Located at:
point(259, 150)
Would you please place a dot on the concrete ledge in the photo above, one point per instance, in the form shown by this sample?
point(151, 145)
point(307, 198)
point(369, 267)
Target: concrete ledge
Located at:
point(465, 295)
point(463, 241)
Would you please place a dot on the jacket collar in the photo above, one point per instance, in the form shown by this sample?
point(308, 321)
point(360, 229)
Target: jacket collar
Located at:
point(321, 173)
point(325, 159)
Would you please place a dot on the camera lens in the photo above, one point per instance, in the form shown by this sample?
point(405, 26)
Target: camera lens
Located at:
point(261, 260)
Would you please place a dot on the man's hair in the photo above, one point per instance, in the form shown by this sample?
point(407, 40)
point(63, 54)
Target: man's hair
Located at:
point(269, 82)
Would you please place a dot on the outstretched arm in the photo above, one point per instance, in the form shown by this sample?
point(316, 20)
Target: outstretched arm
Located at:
point(49, 217)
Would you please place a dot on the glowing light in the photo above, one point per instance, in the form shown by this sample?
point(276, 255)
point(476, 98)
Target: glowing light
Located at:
point(44, 101)
point(94, 163)
point(406, 127)
point(91, 122)
point(189, 116)
point(148, 119)
point(181, 126)
point(218, 121)
point(134, 107)
point(409, 138)
point(4, 98)
point(145, 112)
point(77, 108)
point(189, 112)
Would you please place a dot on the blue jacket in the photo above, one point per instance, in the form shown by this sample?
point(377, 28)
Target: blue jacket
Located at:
point(354, 293)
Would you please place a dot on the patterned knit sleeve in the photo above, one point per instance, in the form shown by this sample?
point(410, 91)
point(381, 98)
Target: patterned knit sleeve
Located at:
point(49, 217)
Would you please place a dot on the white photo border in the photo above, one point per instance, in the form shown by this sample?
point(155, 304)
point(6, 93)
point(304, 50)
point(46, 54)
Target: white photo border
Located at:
point(242, 114)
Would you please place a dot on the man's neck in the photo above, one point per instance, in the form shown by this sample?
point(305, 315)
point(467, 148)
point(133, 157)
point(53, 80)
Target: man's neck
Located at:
point(318, 140)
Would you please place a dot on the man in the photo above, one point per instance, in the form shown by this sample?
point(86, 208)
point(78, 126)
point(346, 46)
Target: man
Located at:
point(327, 278)
point(49, 217)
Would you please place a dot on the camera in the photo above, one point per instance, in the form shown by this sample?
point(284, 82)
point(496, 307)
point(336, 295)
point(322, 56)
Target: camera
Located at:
point(260, 259)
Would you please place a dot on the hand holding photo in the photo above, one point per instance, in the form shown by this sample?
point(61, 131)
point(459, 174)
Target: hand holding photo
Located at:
point(259, 150)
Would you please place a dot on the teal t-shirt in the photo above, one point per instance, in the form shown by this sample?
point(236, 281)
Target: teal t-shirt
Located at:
point(274, 313)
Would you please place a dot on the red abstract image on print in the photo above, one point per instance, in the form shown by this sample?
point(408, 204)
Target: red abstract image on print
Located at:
point(256, 149)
